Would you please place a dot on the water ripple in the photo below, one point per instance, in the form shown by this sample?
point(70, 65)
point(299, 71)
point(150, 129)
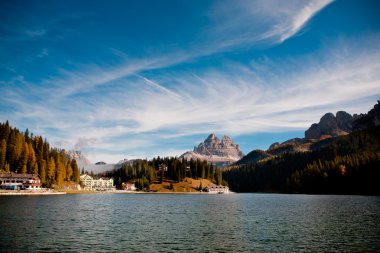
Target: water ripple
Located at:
point(189, 223)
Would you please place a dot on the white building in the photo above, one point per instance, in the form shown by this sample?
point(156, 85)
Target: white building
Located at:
point(97, 184)
point(14, 181)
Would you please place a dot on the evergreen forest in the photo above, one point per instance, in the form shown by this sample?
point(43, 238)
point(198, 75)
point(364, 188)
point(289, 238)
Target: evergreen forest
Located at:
point(350, 165)
point(145, 172)
point(25, 153)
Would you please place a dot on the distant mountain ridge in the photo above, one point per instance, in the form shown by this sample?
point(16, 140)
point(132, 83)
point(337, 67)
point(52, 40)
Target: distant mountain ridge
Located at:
point(333, 164)
point(370, 119)
point(329, 129)
point(99, 167)
point(216, 151)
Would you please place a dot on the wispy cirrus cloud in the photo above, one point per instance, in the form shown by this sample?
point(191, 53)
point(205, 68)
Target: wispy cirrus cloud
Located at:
point(248, 23)
point(298, 19)
point(136, 115)
point(162, 104)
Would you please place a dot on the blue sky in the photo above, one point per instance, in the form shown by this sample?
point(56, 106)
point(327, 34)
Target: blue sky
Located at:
point(137, 79)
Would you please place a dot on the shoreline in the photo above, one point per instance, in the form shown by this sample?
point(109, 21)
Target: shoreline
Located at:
point(15, 193)
point(73, 192)
point(133, 192)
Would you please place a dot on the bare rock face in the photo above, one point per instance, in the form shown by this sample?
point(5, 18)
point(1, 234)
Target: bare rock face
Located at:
point(344, 121)
point(215, 150)
point(79, 157)
point(370, 119)
point(331, 125)
point(212, 146)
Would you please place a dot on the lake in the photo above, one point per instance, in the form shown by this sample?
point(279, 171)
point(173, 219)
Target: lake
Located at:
point(189, 223)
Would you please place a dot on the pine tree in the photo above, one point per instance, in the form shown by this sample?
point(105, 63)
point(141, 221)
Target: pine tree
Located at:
point(51, 169)
point(23, 160)
point(26, 135)
point(69, 171)
point(35, 171)
point(7, 168)
point(31, 158)
point(3, 153)
point(42, 171)
point(11, 154)
point(76, 174)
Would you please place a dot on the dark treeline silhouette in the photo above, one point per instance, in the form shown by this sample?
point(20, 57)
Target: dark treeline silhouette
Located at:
point(350, 165)
point(145, 172)
point(25, 153)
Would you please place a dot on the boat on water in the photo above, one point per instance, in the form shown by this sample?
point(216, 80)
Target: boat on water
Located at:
point(217, 189)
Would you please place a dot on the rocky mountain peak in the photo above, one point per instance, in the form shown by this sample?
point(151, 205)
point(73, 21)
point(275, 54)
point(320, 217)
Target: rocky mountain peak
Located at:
point(212, 140)
point(215, 150)
point(213, 146)
point(331, 125)
point(226, 141)
point(80, 158)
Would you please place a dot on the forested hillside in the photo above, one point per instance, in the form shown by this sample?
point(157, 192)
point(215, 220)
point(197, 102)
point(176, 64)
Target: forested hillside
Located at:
point(349, 165)
point(25, 153)
point(144, 172)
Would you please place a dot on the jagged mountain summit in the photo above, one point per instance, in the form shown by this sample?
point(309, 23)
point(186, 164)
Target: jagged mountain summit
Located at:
point(80, 158)
point(215, 151)
point(368, 120)
point(331, 125)
point(320, 134)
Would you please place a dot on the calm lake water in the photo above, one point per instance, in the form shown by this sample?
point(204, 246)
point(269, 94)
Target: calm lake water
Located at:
point(189, 223)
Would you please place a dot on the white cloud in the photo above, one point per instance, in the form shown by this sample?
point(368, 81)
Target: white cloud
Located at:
point(122, 111)
point(246, 23)
point(249, 23)
point(134, 116)
point(298, 20)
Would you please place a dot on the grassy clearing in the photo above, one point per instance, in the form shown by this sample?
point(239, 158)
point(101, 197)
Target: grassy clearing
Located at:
point(187, 185)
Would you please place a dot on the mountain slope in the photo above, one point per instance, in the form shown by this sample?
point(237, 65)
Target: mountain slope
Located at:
point(350, 165)
point(346, 164)
point(329, 129)
point(254, 157)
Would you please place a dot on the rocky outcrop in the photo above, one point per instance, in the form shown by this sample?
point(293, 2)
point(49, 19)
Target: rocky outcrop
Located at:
point(365, 121)
point(215, 150)
point(316, 136)
point(329, 130)
point(344, 121)
point(330, 125)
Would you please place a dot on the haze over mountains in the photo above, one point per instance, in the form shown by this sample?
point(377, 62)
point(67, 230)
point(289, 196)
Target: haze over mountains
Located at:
point(81, 159)
point(98, 167)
